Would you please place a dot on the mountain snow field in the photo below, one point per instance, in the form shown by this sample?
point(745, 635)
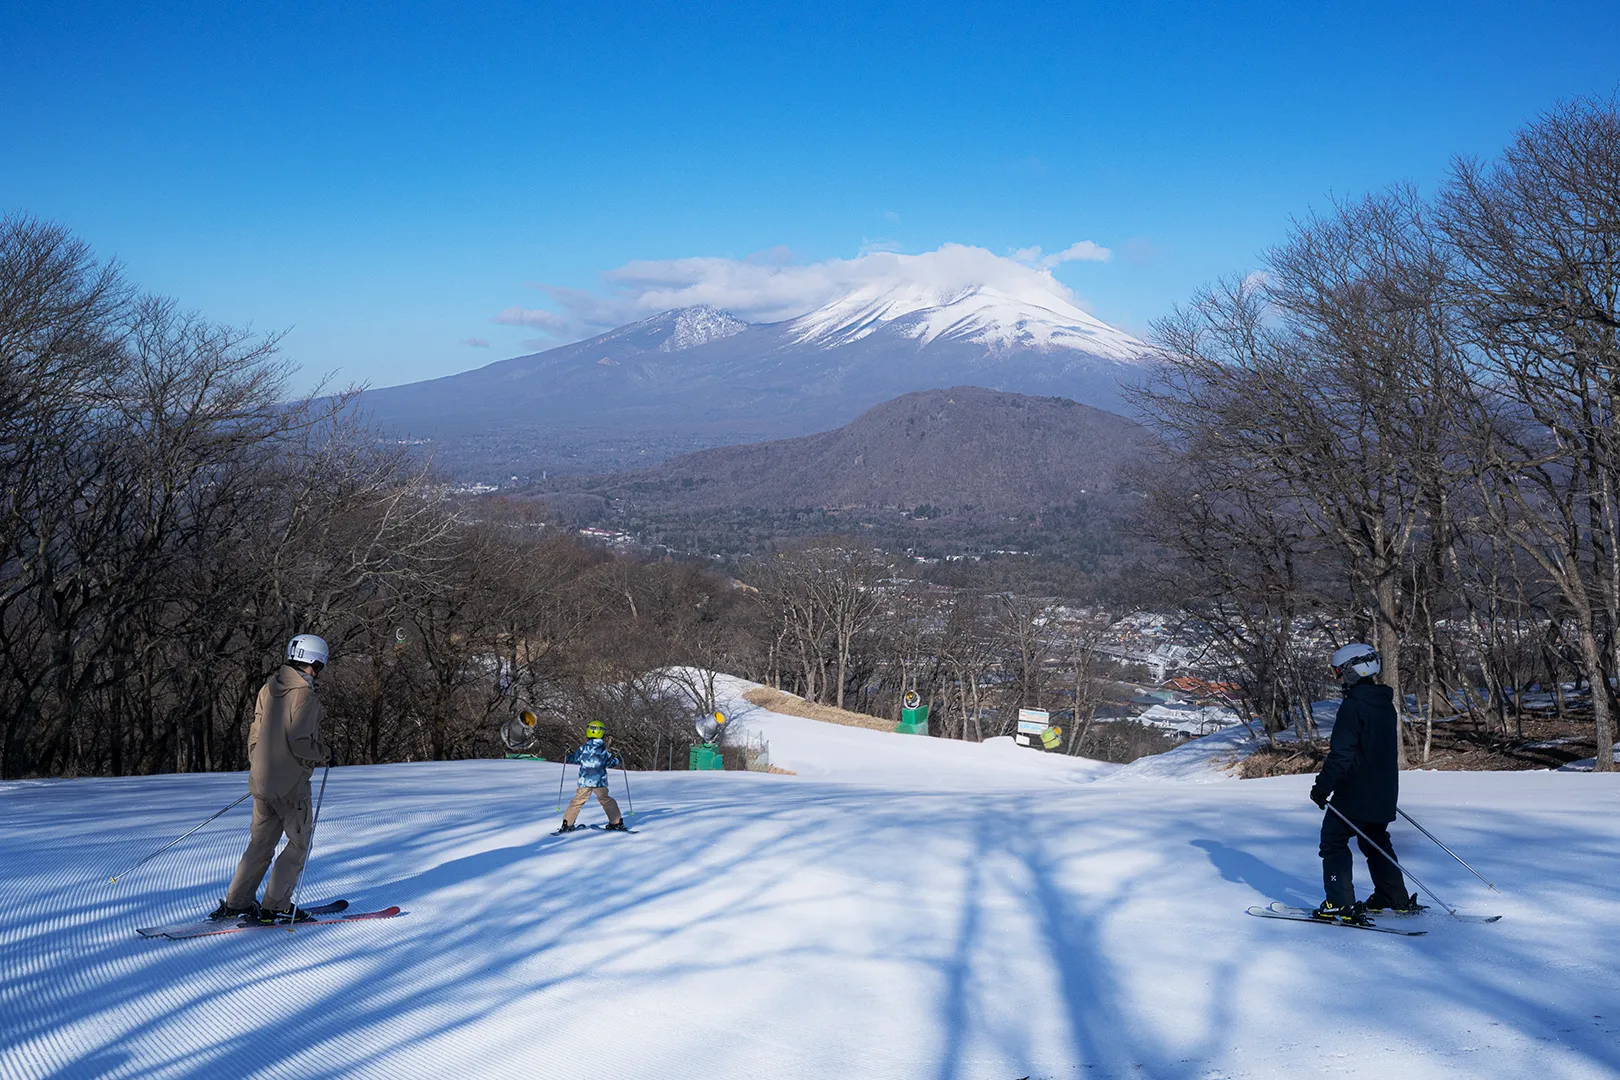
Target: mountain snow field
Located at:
point(1042, 318)
point(901, 908)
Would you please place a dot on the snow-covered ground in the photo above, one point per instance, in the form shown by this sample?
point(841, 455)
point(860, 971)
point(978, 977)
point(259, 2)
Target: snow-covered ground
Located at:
point(1188, 719)
point(899, 909)
point(898, 762)
point(1213, 756)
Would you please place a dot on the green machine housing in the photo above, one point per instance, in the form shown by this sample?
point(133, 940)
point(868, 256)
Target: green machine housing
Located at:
point(913, 720)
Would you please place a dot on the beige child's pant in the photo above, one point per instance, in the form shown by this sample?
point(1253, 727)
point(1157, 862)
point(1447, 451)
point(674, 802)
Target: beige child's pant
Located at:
point(582, 795)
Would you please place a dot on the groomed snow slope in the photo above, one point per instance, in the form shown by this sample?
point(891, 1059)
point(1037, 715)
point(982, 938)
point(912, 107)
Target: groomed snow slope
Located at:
point(862, 756)
point(867, 925)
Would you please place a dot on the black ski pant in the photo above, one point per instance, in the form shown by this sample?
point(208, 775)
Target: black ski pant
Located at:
point(1336, 861)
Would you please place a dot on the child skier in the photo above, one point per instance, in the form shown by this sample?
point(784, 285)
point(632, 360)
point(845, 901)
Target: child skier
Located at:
point(594, 760)
point(1362, 777)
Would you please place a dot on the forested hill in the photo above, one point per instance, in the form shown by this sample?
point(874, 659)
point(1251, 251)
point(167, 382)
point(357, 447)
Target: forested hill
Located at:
point(966, 447)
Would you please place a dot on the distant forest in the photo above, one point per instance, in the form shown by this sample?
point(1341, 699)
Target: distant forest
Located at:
point(1402, 428)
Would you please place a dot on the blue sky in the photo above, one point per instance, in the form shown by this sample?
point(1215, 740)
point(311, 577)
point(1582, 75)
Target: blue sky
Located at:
point(384, 180)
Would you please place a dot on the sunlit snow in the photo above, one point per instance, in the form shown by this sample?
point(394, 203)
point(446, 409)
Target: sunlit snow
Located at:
point(902, 908)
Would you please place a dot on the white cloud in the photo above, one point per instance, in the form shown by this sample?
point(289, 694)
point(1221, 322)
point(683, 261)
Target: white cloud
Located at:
point(539, 319)
point(475, 342)
point(769, 287)
point(1079, 251)
point(869, 245)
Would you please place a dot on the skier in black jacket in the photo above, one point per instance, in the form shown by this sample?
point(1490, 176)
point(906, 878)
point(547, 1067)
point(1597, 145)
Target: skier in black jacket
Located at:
point(1362, 776)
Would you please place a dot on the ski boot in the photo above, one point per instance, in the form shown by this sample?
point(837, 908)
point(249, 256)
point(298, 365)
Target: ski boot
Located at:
point(225, 911)
point(618, 826)
point(1377, 904)
point(267, 917)
point(1353, 912)
point(565, 827)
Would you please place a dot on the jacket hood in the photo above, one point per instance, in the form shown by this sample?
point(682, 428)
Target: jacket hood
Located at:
point(1374, 692)
point(287, 679)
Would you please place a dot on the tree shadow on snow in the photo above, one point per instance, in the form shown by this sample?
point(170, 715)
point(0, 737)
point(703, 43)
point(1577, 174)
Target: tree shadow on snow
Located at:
point(534, 915)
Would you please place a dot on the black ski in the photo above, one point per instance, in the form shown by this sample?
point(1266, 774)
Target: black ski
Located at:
point(585, 828)
point(1268, 913)
point(1290, 910)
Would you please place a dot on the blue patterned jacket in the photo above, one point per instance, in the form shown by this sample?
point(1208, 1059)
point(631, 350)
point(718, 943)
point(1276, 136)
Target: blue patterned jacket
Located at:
point(594, 760)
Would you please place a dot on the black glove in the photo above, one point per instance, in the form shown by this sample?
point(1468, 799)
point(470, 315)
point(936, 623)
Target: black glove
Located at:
point(1319, 797)
point(331, 759)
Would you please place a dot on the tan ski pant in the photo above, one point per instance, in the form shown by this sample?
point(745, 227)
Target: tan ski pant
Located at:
point(271, 818)
point(582, 795)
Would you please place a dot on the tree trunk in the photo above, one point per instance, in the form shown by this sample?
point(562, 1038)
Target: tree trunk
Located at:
point(1389, 648)
point(1592, 654)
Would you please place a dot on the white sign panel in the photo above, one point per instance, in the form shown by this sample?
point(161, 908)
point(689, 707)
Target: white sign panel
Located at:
point(1033, 721)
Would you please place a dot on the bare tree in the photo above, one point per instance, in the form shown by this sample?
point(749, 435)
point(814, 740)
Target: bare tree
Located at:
point(1536, 233)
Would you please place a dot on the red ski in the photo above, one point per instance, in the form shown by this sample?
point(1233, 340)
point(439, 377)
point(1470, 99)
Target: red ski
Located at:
point(209, 927)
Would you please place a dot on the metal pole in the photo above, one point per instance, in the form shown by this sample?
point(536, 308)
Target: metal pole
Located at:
point(627, 797)
point(562, 774)
point(1449, 909)
point(292, 898)
point(1443, 847)
point(177, 839)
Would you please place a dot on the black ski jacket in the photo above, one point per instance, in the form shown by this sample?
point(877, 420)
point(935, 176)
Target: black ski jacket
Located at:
point(1361, 772)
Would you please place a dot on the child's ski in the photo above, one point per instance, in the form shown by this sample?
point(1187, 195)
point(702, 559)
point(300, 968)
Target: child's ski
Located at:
point(583, 828)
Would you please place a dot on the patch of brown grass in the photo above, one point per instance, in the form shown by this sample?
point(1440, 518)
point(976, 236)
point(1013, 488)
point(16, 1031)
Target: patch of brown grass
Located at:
point(1459, 745)
point(793, 705)
point(1284, 759)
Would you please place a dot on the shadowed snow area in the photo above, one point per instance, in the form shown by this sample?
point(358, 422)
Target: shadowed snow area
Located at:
point(903, 908)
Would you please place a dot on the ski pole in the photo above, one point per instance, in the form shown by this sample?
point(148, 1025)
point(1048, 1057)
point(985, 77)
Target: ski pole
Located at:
point(292, 898)
point(562, 774)
point(1443, 847)
point(627, 797)
point(1449, 909)
point(176, 840)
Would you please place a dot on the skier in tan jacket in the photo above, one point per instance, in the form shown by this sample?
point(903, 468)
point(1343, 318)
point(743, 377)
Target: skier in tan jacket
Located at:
point(284, 748)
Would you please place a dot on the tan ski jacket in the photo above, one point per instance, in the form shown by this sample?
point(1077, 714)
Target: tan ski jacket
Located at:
point(284, 744)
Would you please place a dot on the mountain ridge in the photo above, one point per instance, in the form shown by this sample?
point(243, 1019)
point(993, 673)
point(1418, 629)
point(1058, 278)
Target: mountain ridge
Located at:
point(966, 447)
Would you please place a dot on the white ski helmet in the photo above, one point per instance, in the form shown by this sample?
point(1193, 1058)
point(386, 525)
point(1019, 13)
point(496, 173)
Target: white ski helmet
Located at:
point(307, 649)
point(1359, 660)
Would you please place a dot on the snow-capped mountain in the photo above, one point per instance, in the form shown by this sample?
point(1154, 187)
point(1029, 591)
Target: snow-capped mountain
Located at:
point(669, 331)
point(976, 313)
point(700, 376)
point(699, 326)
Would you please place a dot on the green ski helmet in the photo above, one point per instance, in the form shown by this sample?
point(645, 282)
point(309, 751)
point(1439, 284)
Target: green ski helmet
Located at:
point(595, 729)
